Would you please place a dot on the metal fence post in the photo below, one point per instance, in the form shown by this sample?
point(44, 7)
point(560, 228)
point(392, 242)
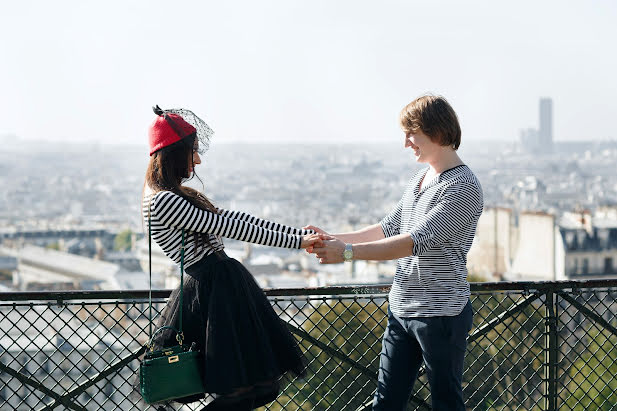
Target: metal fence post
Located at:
point(550, 354)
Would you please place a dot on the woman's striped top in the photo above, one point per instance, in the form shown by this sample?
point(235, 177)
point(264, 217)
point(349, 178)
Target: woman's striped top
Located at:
point(441, 219)
point(170, 213)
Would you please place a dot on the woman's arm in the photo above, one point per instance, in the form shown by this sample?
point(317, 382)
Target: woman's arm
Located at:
point(268, 225)
point(173, 211)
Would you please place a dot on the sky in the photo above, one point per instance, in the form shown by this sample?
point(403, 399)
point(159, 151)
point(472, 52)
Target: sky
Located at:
point(304, 71)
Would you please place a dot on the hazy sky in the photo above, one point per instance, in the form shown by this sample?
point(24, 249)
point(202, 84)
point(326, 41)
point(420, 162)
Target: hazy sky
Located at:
point(303, 71)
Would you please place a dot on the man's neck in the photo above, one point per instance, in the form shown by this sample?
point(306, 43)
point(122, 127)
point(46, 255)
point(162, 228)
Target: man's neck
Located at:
point(446, 160)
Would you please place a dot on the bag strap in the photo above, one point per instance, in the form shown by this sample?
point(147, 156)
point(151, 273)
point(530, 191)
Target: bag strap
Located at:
point(150, 270)
point(179, 333)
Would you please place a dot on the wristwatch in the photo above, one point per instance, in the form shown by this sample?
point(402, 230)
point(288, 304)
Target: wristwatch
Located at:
point(348, 253)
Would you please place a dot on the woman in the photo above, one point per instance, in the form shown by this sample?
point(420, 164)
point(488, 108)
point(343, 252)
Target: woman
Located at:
point(245, 346)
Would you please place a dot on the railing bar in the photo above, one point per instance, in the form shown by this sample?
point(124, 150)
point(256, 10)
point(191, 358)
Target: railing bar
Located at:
point(414, 400)
point(590, 314)
point(333, 352)
point(91, 381)
point(61, 296)
point(367, 289)
point(542, 285)
point(37, 385)
point(551, 353)
point(501, 318)
point(331, 290)
point(85, 303)
point(366, 406)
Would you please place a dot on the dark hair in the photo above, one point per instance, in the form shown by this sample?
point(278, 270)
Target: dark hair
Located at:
point(434, 116)
point(169, 168)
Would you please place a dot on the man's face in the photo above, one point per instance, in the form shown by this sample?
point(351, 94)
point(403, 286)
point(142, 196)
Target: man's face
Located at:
point(424, 149)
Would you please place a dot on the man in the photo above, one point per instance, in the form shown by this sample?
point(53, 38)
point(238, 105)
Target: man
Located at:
point(430, 232)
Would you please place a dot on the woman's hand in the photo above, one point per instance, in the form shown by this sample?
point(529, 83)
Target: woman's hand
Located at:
point(311, 240)
point(316, 229)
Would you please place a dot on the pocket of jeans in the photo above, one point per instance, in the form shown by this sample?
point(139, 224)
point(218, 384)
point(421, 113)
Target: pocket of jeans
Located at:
point(468, 316)
point(456, 330)
point(446, 327)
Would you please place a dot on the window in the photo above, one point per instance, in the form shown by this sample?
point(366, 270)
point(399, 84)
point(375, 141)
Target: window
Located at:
point(585, 265)
point(608, 265)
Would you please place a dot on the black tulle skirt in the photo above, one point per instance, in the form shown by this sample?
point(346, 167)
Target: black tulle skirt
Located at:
point(242, 340)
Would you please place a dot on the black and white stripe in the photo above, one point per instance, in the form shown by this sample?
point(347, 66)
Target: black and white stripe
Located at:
point(171, 213)
point(441, 219)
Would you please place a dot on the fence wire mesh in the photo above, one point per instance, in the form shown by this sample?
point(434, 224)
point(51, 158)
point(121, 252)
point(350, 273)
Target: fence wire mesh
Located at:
point(537, 346)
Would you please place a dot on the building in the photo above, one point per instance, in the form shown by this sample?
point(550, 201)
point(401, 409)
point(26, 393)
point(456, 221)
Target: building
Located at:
point(539, 256)
point(538, 246)
point(540, 140)
point(545, 132)
point(42, 268)
point(590, 246)
point(490, 256)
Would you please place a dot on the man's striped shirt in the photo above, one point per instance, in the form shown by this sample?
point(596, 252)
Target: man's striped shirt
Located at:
point(441, 220)
point(170, 213)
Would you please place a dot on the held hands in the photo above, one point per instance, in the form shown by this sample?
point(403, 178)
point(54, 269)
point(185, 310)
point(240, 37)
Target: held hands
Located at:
point(330, 252)
point(311, 240)
point(328, 249)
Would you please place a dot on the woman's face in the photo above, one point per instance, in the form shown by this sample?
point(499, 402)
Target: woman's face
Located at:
point(194, 158)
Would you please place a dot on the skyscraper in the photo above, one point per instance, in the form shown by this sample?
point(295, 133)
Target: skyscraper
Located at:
point(545, 133)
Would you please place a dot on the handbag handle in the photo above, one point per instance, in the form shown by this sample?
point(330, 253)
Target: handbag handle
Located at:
point(179, 333)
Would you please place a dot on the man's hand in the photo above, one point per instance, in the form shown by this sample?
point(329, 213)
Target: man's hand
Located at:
point(330, 251)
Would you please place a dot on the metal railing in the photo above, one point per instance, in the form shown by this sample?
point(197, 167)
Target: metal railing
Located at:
point(534, 346)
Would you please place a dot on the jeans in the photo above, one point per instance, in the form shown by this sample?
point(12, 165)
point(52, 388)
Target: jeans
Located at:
point(438, 341)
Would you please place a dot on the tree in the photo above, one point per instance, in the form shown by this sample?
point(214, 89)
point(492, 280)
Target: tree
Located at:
point(504, 368)
point(123, 240)
point(593, 376)
point(353, 328)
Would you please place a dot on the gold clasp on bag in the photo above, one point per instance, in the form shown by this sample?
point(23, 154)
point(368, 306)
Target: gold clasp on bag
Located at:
point(173, 358)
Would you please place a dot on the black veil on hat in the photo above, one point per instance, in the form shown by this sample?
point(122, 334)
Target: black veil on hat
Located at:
point(203, 130)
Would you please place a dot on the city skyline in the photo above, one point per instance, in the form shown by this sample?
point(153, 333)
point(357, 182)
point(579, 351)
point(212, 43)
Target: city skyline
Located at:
point(315, 73)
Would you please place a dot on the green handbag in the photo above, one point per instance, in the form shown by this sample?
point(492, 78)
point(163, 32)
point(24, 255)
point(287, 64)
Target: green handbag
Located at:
point(172, 372)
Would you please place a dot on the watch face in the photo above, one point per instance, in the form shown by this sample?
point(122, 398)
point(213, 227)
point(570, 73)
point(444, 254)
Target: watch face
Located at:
point(347, 254)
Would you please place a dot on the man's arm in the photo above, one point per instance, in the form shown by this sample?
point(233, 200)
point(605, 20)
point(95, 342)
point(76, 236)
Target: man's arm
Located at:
point(389, 248)
point(367, 234)
point(459, 206)
point(387, 227)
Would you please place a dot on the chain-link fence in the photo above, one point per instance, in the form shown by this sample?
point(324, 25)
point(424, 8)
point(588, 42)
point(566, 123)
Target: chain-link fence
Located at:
point(534, 346)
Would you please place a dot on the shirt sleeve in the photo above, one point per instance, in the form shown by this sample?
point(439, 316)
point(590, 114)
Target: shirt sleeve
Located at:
point(268, 225)
point(391, 224)
point(460, 204)
point(174, 211)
